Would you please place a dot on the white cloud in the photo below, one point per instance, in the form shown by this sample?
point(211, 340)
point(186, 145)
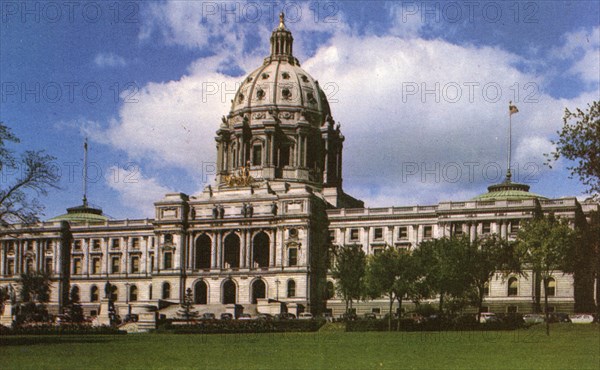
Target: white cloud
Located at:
point(136, 191)
point(582, 48)
point(402, 101)
point(109, 60)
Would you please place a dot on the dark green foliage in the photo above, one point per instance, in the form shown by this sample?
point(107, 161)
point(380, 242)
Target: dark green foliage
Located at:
point(74, 310)
point(349, 271)
point(34, 294)
point(63, 329)
point(579, 141)
point(187, 307)
point(241, 326)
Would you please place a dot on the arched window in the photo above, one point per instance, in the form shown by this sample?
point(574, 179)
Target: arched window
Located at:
point(551, 291)
point(168, 260)
point(293, 256)
point(200, 293)
point(232, 251)
point(329, 290)
point(133, 293)
point(166, 291)
point(203, 249)
point(115, 293)
point(260, 250)
point(259, 290)
point(229, 292)
point(94, 296)
point(291, 289)
point(74, 296)
point(513, 286)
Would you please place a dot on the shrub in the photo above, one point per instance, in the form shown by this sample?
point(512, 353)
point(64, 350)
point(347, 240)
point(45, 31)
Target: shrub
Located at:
point(240, 326)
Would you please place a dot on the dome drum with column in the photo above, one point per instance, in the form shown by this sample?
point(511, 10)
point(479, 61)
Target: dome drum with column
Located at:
point(280, 125)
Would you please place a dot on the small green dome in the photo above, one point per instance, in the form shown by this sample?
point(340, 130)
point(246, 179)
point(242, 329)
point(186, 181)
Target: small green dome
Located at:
point(508, 190)
point(81, 214)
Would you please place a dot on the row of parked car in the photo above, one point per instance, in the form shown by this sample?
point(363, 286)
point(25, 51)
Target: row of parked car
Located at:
point(534, 318)
point(262, 316)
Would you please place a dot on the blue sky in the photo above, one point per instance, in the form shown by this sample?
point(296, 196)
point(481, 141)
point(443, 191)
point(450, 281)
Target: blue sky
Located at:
point(421, 90)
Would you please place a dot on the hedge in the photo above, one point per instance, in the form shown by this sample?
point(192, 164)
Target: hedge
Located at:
point(64, 329)
point(429, 325)
point(241, 326)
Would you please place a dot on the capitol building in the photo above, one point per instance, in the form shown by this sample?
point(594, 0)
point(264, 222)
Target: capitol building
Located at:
point(259, 239)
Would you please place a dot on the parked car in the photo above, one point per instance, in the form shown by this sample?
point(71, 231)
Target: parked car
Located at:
point(487, 317)
point(245, 316)
point(370, 316)
point(285, 316)
point(533, 318)
point(305, 316)
point(559, 317)
point(264, 317)
point(349, 316)
point(582, 318)
point(208, 316)
point(226, 316)
point(417, 318)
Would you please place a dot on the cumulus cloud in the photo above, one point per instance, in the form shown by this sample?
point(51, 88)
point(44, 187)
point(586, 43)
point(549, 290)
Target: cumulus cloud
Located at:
point(582, 48)
point(137, 191)
point(109, 60)
point(425, 120)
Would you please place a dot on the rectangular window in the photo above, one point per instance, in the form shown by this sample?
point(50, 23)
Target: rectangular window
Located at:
point(96, 265)
point(96, 243)
point(354, 234)
point(48, 265)
point(77, 244)
point(514, 227)
point(378, 233)
point(135, 264)
point(76, 266)
point(151, 261)
point(115, 265)
point(135, 243)
point(10, 267)
point(402, 232)
point(427, 231)
point(377, 251)
point(168, 260)
point(332, 236)
point(458, 229)
point(115, 243)
point(376, 310)
point(486, 227)
point(293, 256)
point(257, 155)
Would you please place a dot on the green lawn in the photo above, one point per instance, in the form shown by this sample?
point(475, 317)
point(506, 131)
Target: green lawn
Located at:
point(569, 346)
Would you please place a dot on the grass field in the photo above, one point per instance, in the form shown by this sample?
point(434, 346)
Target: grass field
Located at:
point(568, 347)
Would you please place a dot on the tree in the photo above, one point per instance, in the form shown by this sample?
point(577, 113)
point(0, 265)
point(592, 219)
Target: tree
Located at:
point(579, 141)
point(34, 294)
point(187, 307)
point(74, 309)
point(4, 296)
point(27, 177)
point(392, 273)
point(444, 260)
point(485, 257)
point(544, 245)
point(349, 272)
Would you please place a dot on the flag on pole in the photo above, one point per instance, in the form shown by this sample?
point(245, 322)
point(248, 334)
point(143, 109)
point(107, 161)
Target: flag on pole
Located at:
point(512, 109)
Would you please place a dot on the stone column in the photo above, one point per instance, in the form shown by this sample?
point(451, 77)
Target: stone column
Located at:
point(243, 251)
point(249, 252)
point(219, 249)
point(473, 232)
point(273, 240)
point(213, 249)
point(503, 229)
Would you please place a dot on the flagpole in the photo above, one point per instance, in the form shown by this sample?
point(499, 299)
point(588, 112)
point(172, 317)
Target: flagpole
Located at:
point(85, 159)
point(508, 174)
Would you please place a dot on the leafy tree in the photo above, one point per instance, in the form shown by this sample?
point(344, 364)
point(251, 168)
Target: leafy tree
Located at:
point(392, 273)
point(447, 277)
point(485, 257)
point(74, 309)
point(544, 245)
point(579, 141)
point(349, 272)
point(31, 173)
point(4, 296)
point(187, 307)
point(34, 294)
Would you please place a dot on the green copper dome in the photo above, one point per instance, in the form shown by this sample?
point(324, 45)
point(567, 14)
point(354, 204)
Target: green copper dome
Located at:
point(508, 190)
point(82, 214)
